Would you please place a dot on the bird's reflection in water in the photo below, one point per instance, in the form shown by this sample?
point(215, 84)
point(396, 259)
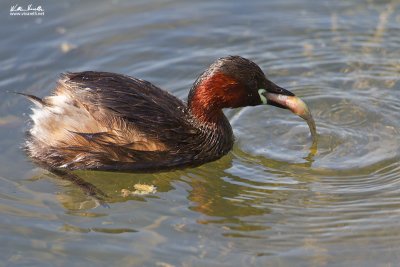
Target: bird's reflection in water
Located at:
point(214, 191)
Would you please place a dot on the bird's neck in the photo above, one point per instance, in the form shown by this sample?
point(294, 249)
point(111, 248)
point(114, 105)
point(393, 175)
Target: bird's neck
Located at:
point(214, 139)
point(203, 103)
point(210, 94)
point(212, 123)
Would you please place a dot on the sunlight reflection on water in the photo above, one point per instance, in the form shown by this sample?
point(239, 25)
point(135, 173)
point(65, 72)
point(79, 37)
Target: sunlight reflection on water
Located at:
point(268, 202)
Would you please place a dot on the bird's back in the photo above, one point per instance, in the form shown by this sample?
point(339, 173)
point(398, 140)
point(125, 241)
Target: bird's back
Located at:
point(100, 120)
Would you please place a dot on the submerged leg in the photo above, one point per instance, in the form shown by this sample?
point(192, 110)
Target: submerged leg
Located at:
point(88, 188)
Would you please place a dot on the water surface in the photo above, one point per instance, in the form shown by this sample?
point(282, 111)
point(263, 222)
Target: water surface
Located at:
point(268, 202)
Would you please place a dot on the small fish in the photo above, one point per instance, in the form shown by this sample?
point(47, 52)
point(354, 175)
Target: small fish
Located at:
point(298, 107)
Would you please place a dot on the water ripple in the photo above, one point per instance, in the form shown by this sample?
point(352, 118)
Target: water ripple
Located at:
point(269, 201)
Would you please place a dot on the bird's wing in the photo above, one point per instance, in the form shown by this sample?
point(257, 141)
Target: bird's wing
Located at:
point(143, 106)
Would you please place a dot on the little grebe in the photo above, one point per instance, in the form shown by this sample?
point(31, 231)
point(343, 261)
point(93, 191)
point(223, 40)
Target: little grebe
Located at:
point(108, 121)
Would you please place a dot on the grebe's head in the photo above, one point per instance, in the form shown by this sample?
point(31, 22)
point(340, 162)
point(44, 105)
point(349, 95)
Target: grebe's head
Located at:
point(233, 82)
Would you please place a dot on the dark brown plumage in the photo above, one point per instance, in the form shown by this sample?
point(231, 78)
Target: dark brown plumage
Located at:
point(108, 121)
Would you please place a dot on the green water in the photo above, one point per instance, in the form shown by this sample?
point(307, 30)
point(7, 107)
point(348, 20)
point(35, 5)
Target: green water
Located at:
point(270, 201)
